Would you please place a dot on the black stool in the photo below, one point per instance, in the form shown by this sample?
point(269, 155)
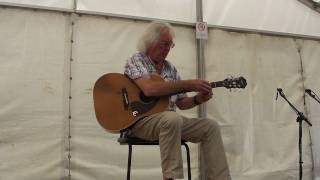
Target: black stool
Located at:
point(130, 141)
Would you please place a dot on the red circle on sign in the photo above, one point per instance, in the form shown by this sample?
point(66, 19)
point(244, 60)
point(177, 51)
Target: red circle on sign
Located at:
point(201, 27)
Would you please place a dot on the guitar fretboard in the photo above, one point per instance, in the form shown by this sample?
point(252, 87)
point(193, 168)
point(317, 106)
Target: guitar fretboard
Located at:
point(217, 84)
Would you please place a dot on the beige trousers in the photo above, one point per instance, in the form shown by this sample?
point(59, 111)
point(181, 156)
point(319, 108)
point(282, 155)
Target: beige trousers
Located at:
point(169, 128)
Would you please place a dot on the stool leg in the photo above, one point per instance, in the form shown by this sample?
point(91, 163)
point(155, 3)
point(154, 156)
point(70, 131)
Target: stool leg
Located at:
point(129, 161)
point(188, 160)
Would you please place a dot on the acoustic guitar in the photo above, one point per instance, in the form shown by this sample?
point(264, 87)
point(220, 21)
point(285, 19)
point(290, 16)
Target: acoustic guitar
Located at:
point(119, 103)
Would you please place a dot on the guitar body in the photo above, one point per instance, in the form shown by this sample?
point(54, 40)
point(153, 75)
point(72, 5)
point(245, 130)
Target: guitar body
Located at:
point(118, 104)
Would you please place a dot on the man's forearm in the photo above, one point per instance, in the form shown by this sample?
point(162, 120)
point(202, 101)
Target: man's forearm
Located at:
point(161, 88)
point(166, 88)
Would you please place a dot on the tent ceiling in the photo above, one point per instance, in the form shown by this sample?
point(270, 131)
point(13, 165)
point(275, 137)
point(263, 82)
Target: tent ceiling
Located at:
point(282, 17)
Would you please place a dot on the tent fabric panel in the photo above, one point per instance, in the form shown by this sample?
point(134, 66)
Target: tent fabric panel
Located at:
point(310, 52)
point(260, 133)
point(34, 94)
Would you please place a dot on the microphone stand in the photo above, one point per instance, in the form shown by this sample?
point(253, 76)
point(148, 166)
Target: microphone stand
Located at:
point(300, 118)
point(313, 95)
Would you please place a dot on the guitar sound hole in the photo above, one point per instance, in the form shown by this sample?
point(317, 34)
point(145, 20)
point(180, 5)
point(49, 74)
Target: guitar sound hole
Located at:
point(146, 99)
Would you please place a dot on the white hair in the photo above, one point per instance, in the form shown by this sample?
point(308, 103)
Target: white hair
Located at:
point(152, 34)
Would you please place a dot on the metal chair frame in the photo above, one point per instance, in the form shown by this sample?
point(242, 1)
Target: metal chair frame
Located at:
point(130, 141)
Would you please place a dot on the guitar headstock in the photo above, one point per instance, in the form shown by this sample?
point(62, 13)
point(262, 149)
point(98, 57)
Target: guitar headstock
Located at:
point(230, 83)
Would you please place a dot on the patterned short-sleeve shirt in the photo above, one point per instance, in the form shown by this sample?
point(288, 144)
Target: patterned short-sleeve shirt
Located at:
point(141, 66)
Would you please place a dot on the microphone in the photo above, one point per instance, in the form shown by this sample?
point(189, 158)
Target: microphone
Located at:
point(278, 90)
point(308, 91)
point(312, 94)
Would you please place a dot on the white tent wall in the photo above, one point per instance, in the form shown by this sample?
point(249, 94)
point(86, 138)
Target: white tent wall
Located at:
point(33, 72)
point(62, 5)
point(285, 16)
point(102, 45)
point(310, 52)
point(142, 8)
point(260, 133)
point(35, 56)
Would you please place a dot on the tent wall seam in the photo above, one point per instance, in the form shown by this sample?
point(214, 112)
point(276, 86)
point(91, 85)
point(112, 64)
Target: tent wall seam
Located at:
point(306, 110)
point(72, 23)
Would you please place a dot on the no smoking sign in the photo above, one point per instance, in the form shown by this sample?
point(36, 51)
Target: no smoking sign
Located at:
point(201, 30)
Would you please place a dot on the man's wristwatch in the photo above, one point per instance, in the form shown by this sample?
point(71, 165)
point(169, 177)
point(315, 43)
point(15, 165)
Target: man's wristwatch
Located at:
point(195, 101)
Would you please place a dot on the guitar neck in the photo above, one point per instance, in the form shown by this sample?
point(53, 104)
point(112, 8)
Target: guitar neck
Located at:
point(217, 84)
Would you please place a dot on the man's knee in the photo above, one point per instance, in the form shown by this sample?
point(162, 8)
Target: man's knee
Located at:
point(212, 124)
point(170, 119)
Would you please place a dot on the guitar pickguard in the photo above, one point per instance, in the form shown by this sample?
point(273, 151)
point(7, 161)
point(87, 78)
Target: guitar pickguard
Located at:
point(139, 107)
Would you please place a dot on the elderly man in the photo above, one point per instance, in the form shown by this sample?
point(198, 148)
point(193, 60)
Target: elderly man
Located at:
point(169, 127)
